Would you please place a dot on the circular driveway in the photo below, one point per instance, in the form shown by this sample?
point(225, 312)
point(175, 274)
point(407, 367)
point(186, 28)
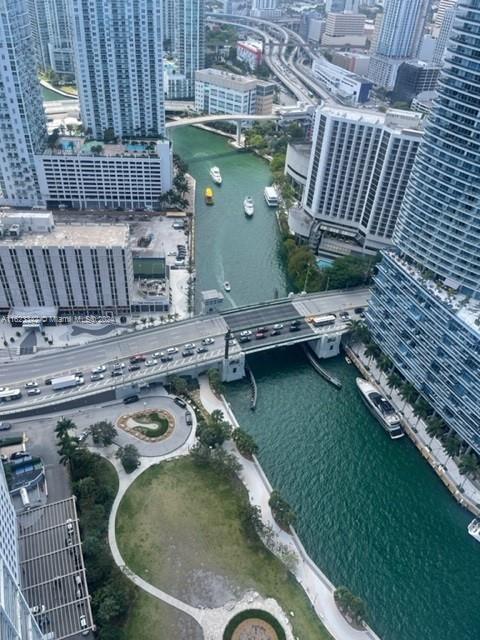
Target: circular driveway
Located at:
point(178, 436)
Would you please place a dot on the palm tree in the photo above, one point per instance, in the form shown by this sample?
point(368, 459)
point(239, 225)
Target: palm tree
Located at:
point(394, 380)
point(469, 465)
point(358, 332)
point(408, 393)
point(435, 427)
point(63, 426)
point(451, 446)
point(421, 409)
point(372, 351)
point(67, 450)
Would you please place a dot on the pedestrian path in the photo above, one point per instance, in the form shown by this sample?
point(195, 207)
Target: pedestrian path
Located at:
point(212, 621)
point(316, 585)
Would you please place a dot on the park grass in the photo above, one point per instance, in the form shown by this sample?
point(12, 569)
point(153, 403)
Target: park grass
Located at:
point(178, 519)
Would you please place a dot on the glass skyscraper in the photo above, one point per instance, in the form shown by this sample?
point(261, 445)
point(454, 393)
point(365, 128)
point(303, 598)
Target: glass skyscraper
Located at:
point(425, 308)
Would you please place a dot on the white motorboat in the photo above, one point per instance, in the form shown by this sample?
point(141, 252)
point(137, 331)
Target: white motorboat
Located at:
point(474, 529)
point(216, 175)
point(271, 196)
point(381, 409)
point(226, 286)
point(249, 206)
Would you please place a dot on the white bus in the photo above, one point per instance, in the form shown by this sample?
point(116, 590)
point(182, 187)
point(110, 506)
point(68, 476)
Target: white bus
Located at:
point(10, 394)
point(323, 321)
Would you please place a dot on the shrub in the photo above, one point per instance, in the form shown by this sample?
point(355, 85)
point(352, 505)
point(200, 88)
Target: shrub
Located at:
point(245, 443)
point(281, 510)
point(350, 605)
point(129, 457)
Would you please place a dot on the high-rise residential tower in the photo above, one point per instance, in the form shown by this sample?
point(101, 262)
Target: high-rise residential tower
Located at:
point(400, 34)
point(425, 307)
point(22, 119)
point(190, 40)
point(118, 49)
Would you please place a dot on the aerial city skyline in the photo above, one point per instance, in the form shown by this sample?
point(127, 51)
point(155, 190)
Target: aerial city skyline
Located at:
point(280, 195)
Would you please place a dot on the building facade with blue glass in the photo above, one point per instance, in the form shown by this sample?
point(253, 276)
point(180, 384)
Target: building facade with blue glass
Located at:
point(425, 307)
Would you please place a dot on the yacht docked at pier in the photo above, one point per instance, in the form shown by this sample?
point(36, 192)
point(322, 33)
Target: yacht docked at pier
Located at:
point(381, 408)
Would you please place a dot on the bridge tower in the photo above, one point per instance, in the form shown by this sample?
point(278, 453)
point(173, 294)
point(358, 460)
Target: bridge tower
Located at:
point(233, 365)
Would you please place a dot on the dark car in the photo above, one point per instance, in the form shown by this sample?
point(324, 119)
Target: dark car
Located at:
point(137, 359)
point(5, 426)
point(244, 339)
point(134, 367)
point(130, 399)
point(262, 330)
point(359, 309)
point(260, 334)
point(202, 349)
point(180, 402)
point(295, 323)
point(166, 358)
point(48, 381)
point(188, 418)
point(20, 454)
point(116, 372)
point(275, 332)
point(294, 327)
point(187, 353)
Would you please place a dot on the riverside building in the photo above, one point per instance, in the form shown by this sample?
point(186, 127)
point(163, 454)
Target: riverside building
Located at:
point(23, 127)
point(52, 36)
point(359, 166)
point(80, 175)
point(425, 307)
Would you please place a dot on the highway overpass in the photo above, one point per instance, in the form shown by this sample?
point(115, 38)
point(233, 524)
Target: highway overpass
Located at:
point(213, 329)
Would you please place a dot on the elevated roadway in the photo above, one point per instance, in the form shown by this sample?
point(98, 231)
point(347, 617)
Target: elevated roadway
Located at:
point(152, 343)
point(237, 117)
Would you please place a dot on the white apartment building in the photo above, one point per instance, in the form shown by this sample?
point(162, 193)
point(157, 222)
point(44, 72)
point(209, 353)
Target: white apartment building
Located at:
point(22, 121)
point(342, 29)
point(223, 92)
point(359, 168)
point(346, 86)
point(70, 268)
point(118, 49)
point(16, 621)
point(83, 175)
point(51, 28)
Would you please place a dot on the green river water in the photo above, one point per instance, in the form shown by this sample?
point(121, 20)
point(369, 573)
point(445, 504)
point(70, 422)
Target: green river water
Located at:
point(371, 512)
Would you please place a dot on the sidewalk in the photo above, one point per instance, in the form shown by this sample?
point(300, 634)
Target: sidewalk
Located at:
point(316, 585)
point(464, 491)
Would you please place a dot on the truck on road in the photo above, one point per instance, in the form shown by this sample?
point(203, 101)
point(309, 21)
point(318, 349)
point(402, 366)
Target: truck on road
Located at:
point(65, 382)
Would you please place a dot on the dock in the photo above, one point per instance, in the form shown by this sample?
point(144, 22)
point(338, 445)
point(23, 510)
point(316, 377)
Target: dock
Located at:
point(319, 369)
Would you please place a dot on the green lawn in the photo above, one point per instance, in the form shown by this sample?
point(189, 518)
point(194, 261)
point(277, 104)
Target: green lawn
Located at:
point(178, 527)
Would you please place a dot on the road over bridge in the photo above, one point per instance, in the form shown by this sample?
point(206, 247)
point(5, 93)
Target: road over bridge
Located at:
point(195, 345)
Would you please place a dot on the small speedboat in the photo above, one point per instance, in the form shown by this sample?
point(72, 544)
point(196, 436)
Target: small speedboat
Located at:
point(208, 195)
point(216, 175)
point(347, 360)
point(226, 286)
point(474, 529)
point(249, 207)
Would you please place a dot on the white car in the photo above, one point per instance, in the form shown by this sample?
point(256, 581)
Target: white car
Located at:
point(69, 523)
point(83, 625)
point(158, 354)
point(278, 326)
point(99, 369)
point(206, 341)
point(171, 350)
point(96, 376)
point(33, 391)
point(151, 363)
point(245, 334)
point(119, 365)
point(190, 345)
point(38, 609)
point(31, 385)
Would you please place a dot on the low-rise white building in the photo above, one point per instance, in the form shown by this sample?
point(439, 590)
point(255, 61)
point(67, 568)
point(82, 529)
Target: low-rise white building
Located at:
point(343, 84)
point(69, 268)
point(223, 92)
point(78, 174)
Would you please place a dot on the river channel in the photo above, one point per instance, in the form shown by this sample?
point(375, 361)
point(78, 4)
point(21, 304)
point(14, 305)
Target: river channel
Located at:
point(371, 512)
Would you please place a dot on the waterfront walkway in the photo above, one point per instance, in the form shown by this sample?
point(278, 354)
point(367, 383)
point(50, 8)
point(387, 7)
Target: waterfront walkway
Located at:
point(316, 585)
point(462, 488)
